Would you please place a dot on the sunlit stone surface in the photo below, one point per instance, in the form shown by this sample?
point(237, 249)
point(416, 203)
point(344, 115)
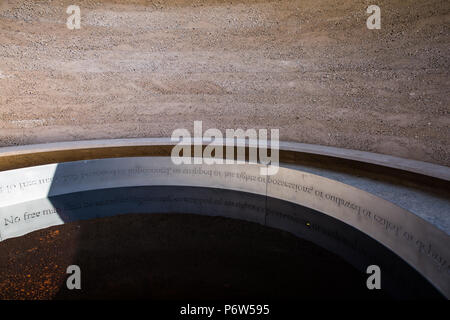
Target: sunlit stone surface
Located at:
point(27, 205)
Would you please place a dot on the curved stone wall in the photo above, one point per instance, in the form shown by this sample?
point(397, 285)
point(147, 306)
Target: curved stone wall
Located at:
point(418, 242)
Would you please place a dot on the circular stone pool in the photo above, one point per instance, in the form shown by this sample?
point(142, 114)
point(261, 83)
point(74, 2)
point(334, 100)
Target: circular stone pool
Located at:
point(142, 227)
point(174, 243)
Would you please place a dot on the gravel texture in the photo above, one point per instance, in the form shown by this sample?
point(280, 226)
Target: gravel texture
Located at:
point(310, 68)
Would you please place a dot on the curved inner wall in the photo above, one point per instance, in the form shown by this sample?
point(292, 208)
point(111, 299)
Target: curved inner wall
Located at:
point(30, 202)
point(313, 70)
point(147, 251)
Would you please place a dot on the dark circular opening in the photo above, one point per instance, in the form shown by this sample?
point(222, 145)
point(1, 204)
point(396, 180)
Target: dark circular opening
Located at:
point(158, 251)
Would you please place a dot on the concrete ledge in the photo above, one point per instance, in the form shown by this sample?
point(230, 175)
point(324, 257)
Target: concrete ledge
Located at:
point(165, 144)
point(406, 170)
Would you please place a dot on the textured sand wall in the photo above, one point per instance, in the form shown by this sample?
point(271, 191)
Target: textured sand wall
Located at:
point(310, 68)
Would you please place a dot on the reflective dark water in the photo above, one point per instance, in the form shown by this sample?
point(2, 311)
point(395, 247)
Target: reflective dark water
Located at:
point(198, 243)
